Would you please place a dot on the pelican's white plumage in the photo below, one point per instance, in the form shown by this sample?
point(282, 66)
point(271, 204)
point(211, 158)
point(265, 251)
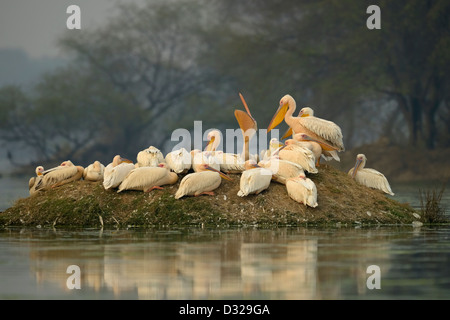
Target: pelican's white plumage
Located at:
point(116, 171)
point(34, 182)
point(319, 148)
point(148, 178)
point(369, 177)
point(274, 145)
point(94, 171)
point(179, 161)
point(254, 179)
point(66, 172)
point(306, 122)
point(203, 181)
point(302, 190)
point(299, 155)
point(205, 157)
point(282, 169)
point(150, 157)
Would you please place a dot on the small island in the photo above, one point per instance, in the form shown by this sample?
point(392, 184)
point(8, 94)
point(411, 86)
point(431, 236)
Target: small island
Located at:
point(87, 204)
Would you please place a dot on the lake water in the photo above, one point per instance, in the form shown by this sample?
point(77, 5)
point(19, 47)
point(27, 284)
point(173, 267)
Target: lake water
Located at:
point(241, 263)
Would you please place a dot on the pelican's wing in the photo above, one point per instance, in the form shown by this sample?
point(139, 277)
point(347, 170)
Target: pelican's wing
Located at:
point(327, 130)
point(58, 175)
point(142, 177)
point(373, 179)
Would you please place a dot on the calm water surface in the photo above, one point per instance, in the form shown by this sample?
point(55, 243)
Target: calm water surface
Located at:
point(245, 263)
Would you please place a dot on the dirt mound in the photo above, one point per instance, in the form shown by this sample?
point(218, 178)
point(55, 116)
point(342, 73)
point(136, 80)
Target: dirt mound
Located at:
point(88, 204)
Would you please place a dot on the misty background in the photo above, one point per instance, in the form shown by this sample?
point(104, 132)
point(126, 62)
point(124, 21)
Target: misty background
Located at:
point(137, 70)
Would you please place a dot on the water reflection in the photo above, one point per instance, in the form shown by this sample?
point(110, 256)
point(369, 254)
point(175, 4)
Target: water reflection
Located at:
point(221, 264)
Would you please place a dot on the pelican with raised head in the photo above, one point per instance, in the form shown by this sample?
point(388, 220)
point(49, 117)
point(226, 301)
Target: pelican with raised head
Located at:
point(302, 190)
point(204, 181)
point(150, 157)
point(116, 171)
point(254, 179)
point(369, 177)
point(274, 145)
point(94, 171)
point(147, 179)
point(228, 162)
point(34, 182)
point(317, 128)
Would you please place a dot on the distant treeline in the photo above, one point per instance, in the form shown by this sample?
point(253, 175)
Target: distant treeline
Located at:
point(159, 66)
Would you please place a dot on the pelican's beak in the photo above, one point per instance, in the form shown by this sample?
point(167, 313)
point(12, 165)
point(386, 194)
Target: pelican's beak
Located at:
point(278, 117)
point(357, 164)
point(246, 123)
point(51, 169)
point(255, 165)
point(124, 160)
point(210, 144)
point(287, 133)
point(222, 175)
point(325, 146)
point(278, 150)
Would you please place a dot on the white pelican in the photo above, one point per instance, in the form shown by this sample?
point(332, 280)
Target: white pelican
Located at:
point(248, 127)
point(317, 128)
point(302, 190)
point(34, 182)
point(282, 169)
point(229, 162)
point(94, 171)
point(149, 157)
point(369, 177)
point(274, 144)
point(148, 178)
point(327, 151)
point(254, 179)
point(66, 172)
point(299, 155)
point(116, 171)
point(179, 161)
point(206, 157)
point(203, 181)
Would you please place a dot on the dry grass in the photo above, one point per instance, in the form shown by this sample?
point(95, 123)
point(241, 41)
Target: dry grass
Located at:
point(84, 203)
point(431, 209)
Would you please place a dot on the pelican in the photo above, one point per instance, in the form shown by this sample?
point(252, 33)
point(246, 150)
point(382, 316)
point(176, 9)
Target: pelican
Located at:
point(34, 182)
point(274, 144)
point(148, 178)
point(317, 128)
point(116, 171)
point(179, 161)
point(66, 172)
point(282, 169)
point(149, 157)
point(203, 181)
point(94, 171)
point(206, 157)
point(369, 177)
point(319, 148)
point(248, 127)
point(302, 190)
point(254, 179)
point(299, 155)
point(229, 162)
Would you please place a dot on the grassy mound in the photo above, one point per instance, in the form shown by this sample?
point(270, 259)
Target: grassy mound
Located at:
point(88, 204)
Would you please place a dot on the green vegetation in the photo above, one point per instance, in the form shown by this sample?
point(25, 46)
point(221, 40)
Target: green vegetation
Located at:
point(431, 208)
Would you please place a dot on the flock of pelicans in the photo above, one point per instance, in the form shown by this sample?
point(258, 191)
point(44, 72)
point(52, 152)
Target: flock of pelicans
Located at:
point(288, 163)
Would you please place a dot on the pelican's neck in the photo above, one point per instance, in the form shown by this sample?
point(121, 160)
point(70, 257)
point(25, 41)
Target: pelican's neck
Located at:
point(246, 149)
point(288, 118)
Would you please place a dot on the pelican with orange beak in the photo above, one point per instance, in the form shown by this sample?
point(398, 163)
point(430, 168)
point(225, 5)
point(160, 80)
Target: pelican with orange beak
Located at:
point(248, 127)
point(369, 177)
point(317, 128)
point(116, 171)
point(204, 181)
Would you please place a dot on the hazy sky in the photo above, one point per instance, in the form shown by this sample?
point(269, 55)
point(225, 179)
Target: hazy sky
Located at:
point(35, 25)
